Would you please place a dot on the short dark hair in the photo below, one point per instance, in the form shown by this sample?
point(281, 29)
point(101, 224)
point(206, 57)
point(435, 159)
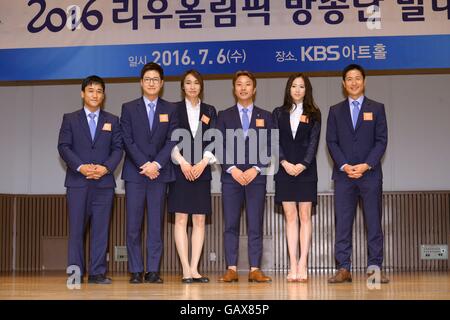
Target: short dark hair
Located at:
point(196, 75)
point(152, 66)
point(244, 73)
point(91, 80)
point(353, 67)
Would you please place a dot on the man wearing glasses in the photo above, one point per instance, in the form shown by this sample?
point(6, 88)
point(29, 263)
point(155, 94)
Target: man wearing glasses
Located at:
point(147, 125)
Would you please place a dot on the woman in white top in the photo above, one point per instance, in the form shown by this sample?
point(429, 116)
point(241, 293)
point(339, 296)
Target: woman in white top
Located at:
point(190, 194)
point(298, 122)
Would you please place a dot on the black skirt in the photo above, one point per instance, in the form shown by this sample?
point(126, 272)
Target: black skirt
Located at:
point(298, 191)
point(191, 197)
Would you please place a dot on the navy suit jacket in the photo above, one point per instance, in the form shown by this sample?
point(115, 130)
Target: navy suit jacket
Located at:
point(142, 145)
point(299, 149)
point(77, 148)
point(230, 119)
point(364, 144)
point(209, 115)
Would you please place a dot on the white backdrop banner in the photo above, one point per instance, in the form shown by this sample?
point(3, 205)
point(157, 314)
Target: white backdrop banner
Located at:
point(70, 39)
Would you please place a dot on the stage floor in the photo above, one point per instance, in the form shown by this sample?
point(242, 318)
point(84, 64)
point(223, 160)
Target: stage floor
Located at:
point(52, 286)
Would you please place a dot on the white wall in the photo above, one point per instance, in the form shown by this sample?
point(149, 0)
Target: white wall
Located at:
point(418, 111)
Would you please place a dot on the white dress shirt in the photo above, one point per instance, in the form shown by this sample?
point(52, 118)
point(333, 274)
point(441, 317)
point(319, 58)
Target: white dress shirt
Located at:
point(193, 113)
point(295, 117)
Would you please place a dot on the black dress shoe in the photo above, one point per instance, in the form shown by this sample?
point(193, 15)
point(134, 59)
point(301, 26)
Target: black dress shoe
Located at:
point(187, 280)
point(152, 277)
point(136, 277)
point(99, 279)
point(201, 279)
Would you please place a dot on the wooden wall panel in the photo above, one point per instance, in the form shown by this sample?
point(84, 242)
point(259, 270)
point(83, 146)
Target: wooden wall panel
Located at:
point(38, 217)
point(117, 233)
point(6, 232)
point(409, 220)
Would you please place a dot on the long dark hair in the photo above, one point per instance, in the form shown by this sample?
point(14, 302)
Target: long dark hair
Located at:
point(310, 108)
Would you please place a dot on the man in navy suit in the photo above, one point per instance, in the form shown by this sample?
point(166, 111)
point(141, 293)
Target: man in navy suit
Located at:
point(90, 143)
point(243, 125)
point(147, 126)
point(357, 139)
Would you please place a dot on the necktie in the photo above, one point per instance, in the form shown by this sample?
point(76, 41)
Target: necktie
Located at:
point(92, 124)
point(355, 112)
point(245, 120)
point(151, 114)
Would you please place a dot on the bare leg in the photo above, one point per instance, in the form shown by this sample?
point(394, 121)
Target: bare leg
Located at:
point(290, 214)
point(198, 238)
point(305, 238)
point(181, 242)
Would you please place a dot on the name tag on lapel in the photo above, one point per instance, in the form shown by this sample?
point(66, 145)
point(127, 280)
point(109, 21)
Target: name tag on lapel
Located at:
point(368, 116)
point(107, 127)
point(304, 119)
point(164, 117)
point(260, 123)
point(205, 119)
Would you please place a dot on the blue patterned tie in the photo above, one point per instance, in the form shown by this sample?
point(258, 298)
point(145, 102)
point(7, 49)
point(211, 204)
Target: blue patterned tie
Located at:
point(92, 125)
point(355, 112)
point(245, 121)
point(151, 114)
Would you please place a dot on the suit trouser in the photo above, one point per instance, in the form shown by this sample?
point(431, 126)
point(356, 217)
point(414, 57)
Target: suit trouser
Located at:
point(347, 193)
point(233, 197)
point(137, 195)
point(94, 204)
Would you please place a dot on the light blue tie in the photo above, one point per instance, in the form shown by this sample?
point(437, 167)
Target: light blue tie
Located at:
point(92, 125)
point(151, 114)
point(245, 121)
point(355, 112)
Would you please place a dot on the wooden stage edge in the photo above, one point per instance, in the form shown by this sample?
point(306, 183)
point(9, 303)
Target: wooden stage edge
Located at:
point(52, 286)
